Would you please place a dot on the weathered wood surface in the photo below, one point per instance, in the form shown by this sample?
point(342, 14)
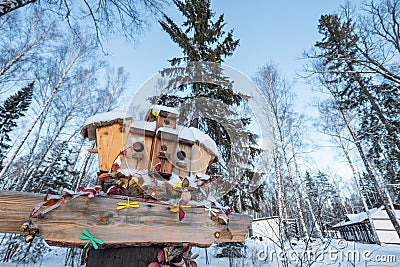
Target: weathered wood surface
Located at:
point(150, 224)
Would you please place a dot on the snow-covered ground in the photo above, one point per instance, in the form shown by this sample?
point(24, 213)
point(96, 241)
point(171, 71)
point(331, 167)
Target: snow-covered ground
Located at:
point(266, 253)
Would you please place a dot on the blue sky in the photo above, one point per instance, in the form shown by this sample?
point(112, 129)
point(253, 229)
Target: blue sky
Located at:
point(269, 31)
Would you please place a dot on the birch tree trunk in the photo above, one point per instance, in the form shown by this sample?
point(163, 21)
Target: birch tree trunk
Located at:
point(304, 192)
point(385, 197)
point(44, 107)
point(359, 189)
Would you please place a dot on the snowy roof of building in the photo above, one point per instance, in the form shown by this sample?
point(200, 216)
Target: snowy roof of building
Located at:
point(354, 218)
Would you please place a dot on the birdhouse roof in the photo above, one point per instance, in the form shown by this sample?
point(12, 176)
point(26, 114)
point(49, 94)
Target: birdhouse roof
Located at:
point(159, 108)
point(144, 125)
point(101, 120)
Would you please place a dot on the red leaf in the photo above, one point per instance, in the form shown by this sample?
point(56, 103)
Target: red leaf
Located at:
point(160, 255)
point(51, 202)
point(115, 167)
point(46, 197)
point(206, 186)
point(228, 211)
point(186, 262)
point(112, 190)
point(81, 189)
point(62, 205)
point(157, 167)
point(185, 249)
point(215, 183)
point(104, 177)
point(181, 214)
point(153, 264)
point(36, 208)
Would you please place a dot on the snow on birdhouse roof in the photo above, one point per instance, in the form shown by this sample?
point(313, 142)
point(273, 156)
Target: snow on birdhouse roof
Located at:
point(100, 120)
point(106, 117)
point(159, 108)
point(204, 140)
point(144, 125)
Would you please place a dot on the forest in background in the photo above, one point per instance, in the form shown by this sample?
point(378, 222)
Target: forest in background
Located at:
point(54, 73)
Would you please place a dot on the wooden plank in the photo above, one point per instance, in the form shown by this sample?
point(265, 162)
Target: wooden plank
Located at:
point(150, 224)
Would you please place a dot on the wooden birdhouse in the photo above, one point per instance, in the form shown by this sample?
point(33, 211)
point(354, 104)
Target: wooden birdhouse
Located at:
point(139, 144)
point(110, 131)
point(163, 151)
point(182, 160)
point(203, 151)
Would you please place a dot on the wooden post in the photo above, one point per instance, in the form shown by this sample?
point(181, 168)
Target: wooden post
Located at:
point(128, 256)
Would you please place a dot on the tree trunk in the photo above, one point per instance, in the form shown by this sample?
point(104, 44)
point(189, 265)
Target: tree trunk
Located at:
point(301, 189)
point(120, 257)
point(371, 222)
point(10, 5)
point(44, 107)
point(385, 198)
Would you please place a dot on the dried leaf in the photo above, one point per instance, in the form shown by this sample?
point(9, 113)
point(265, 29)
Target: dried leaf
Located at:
point(160, 255)
point(181, 214)
point(132, 182)
point(215, 183)
point(174, 208)
point(228, 211)
point(115, 167)
point(112, 190)
point(123, 182)
point(104, 177)
point(36, 208)
point(186, 207)
point(206, 186)
point(185, 182)
point(62, 205)
point(157, 167)
point(229, 233)
point(222, 220)
point(140, 180)
point(46, 197)
point(51, 202)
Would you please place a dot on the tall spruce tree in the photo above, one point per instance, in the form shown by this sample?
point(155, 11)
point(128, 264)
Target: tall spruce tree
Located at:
point(12, 109)
point(207, 101)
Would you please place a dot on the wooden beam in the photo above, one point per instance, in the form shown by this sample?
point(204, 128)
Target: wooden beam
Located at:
point(150, 224)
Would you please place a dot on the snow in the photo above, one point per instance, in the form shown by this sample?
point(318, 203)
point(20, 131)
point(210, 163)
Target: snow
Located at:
point(106, 117)
point(266, 253)
point(145, 125)
point(158, 108)
point(358, 217)
point(204, 139)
